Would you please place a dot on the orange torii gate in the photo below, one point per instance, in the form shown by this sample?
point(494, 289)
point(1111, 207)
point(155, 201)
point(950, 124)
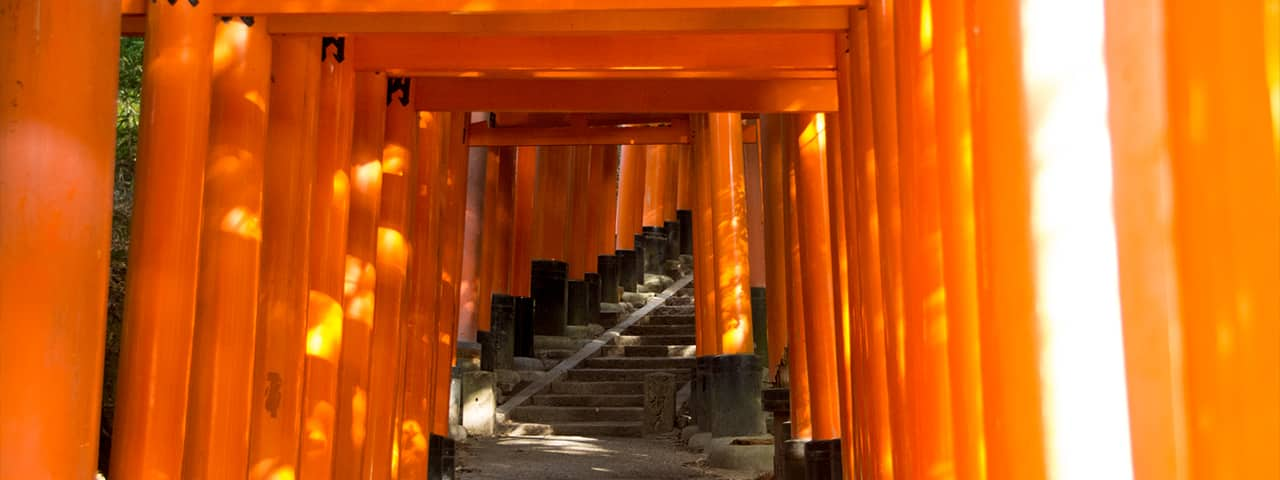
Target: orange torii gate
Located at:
point(1000, 252)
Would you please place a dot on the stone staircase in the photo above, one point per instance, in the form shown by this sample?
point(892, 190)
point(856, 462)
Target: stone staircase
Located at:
point(604, 394)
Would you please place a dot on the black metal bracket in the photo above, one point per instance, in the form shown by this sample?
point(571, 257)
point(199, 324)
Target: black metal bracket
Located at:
point(339, 48)
point(248, 21)
point(193, 3)
point(401, 84)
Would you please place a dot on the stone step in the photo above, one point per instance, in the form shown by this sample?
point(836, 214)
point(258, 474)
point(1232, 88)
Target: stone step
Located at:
point(582, 429)
point(668, 320)
point(648, 351)
point(559, 400)
point(679, 301)
point(598, 388)
point(639, 362)
point(668, 309)
point(682, 329)
point(553, 415)
point(656, 340)
point(623, 375)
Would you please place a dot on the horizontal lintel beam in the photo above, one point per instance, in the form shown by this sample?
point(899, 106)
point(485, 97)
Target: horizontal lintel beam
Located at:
point(612, 95)
point(679, 55)
point(800, 19)
point(456, 7)
point(481, 135)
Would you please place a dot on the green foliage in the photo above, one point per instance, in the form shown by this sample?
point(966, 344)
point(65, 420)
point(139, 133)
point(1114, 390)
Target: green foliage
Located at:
point(128, 106)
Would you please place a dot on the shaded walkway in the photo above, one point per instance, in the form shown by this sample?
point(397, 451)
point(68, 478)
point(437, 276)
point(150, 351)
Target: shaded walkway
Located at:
point(575, 458)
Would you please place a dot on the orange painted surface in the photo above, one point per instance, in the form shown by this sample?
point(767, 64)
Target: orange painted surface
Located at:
point(1013, 419)
point(655, 184)
point(330, 206)
point(551, 202)
point(842, 295)
point(797, 337)
point(728, 212)
point(1226, 228)
point(959, 250)
point(752, 171)
point(578, 209)
point(489, 240)
point(812, 213)
point(684, 175)
point(155, 348)
point(54, 234)
point(222, 349)
point(671, 184)
point(454, 196)
point(421, 283)
point(924, 314)
point(704, 242)
point(631, 195)
point(361, 273)
point(522, 220)
point(884, 92)
point(603, 214)
point(275, 425)
point(870, 329)
point(398, 167)
point(504, 211)
point(774, 241)
point(472, 243)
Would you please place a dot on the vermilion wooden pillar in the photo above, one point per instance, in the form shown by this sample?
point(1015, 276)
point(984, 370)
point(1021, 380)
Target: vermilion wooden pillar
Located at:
point(631, 193)
point(670, 185)
point(454, 196)
point(878, 457)
point(797, 337)
point(816, 293)
point(394, 211)
point(361, 273)
point(927, 368)
point(490, 242)
point(728, 212)
point(959, 249)
point(275, 427)
point(655, 184)
point(222, 350)
point(330, 206)
point(889, 223)
point(504, 211)
point(843, 303)
point(605, 216)
point(704, 242)
point(775, 186)
point(472, 247)
point(577, 237)
point(684, 175)
point(56, 137)
point(155, 346)
point(522, 220)
point(551, 202)
point(1225, 229)
point(421, 284)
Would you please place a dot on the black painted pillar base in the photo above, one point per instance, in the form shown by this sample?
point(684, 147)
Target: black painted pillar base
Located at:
point(655, 249)
point(778, 402)
point(700, 391)
point(440, 458)
point(794, 455)
point(643, 256)
point(578, 310)
point(486, 350)
point(522, 343)
point(673, 239)
point(501, 335)
point(593, 296)
point(735, 390)
point(760, 323)
point(607, 266)
point(549, 286)
point(627, 266)
point(822, 460)
point(685, 217)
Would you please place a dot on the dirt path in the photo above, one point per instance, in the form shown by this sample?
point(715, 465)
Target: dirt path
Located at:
point(582, 458)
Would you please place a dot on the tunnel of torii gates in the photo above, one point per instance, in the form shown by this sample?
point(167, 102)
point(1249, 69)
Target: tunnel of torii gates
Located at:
point(998, 239)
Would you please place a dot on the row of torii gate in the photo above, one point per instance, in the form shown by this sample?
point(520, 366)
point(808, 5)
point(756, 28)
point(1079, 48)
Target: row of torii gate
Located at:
point(1005, 239)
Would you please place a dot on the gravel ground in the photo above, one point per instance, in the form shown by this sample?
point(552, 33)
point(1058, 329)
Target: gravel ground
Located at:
point(583, 458)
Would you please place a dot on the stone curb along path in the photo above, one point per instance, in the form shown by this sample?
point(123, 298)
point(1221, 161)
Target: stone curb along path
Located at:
point(587, 351)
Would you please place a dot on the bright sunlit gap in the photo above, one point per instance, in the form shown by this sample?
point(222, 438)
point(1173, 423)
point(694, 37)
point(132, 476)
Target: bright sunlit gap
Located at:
point(1078, 306)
